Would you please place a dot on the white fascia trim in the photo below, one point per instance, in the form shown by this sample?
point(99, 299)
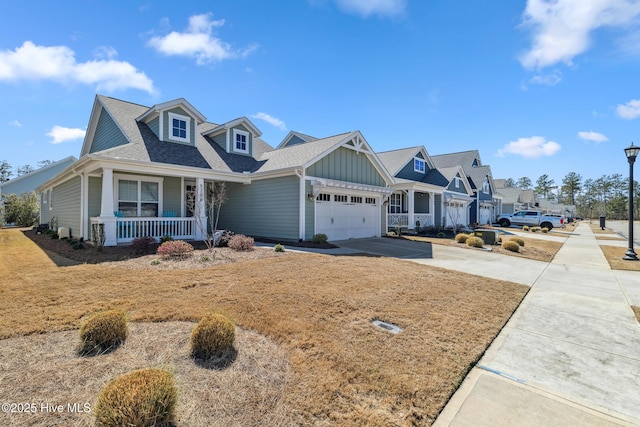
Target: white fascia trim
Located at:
point(418, 186)
point(158, 108)
point(93, 124)
point(187, 119)
point(235, 122)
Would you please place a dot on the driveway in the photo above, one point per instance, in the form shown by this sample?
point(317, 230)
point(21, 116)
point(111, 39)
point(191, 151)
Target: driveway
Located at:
point(388, 247)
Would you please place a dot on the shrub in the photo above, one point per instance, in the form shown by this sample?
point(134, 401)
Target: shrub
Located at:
point(223, 241)
point(22, 210)
point(54, 235)
point(213, 336)
point(322, 238)
point(166, 239)
point(176, 249)
point(77, 245)
point(525, 228)
point(461, 237)
point(142, 244)
point(155, 262)
point(146, 397)
point(441, 234)
point(535, 229)
point(205, 258)
point(518, 240)
point(475, 242)
point(240, 242)
point(511, 245)
point(278, 248)
point(544, 230)
point(103, 332)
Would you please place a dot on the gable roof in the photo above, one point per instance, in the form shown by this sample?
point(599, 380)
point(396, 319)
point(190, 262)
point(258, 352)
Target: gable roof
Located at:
point(292, 134)
point(476, 174)
point(395, 160)
point(450, 174)
point(30, 181)
point(193, 112)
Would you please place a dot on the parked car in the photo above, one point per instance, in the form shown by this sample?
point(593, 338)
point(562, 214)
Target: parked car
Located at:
point(532, 219)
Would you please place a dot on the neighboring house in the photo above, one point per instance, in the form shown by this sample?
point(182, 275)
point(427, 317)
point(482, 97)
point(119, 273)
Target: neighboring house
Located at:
point(514, 198)
point(140, 166)
point(29, 182)
point(486, 204)
point(423, 193)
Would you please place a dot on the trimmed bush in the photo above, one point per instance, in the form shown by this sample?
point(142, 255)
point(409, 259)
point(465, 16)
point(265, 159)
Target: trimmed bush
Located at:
point(441, 234)
point(142, 244)
point(166, 239)
point(461, 237)
point(535, 229)
point(518, 240)
point(475, 242)
point(213, 336)
point(545, 230)
point(322, 238)
point(278, 248)
point(103, 332)
point(175, 249)
point(146, 397)
point(525, 228)
point(240, 242)
point(511, 245)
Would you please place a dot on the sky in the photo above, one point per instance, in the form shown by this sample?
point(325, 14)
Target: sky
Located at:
point(537, 86)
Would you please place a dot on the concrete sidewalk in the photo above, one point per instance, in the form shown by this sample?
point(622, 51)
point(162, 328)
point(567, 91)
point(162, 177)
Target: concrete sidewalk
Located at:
point(570, 355)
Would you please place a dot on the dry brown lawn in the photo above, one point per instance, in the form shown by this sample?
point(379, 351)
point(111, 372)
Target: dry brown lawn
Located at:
point(636, 310)
point(537, 249)
point(328, 365)
point(614, 255)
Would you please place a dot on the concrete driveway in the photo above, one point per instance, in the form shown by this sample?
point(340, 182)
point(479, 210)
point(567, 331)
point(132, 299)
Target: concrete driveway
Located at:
point(388, 247)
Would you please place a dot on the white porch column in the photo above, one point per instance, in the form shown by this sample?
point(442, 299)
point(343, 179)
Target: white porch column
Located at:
point(107, 208)
point(432, 207)
point(200, 211)
point(411, 208)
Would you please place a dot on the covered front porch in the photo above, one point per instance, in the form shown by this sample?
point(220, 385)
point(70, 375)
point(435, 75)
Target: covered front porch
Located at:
point(411, 209)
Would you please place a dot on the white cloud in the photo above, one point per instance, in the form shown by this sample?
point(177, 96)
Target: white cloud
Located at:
point(61, 134)
point(373, 7)
point(592, 136)
point(270, 119)
point(58, 63)
point(630, 110)
point(530, 148)
point(198, 42)
point(15, 123)
point(561, 29)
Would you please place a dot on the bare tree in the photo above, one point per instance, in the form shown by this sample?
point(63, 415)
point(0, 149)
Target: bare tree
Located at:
point(216, 196)
point(453, 215)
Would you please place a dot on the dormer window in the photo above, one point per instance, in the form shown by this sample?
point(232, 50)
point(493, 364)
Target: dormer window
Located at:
point(240, 141)
point(418, 165)
point(457, 179)
point(179, 127)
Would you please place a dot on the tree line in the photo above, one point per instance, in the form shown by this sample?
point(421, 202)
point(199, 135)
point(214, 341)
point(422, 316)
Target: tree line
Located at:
point(607, 195)
point(7, 171)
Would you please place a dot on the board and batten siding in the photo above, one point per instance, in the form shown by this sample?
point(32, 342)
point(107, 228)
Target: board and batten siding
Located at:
point(107, 134)
point(344, 164)
point(66, 206)
point(309, 213)
point(265, 208)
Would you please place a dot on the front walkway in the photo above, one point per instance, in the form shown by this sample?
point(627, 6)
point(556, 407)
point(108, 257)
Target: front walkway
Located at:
point(570, 355)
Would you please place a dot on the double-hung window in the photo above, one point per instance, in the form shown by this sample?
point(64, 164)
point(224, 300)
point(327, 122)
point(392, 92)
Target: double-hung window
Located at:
point(418, 165)
point(240, 141)
point(179, 127)
point(139, 197)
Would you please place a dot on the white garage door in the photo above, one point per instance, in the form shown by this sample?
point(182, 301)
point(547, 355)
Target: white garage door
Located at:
point(343, 217)
point(485, 215)
point(456, 214)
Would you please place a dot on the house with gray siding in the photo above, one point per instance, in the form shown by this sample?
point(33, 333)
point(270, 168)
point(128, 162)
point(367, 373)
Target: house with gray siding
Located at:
point(425, 195)
point(147, 171)
point(28, 183)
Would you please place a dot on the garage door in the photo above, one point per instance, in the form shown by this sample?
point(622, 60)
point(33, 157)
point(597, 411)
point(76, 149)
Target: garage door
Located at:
point(343, 217)
point(485, 215)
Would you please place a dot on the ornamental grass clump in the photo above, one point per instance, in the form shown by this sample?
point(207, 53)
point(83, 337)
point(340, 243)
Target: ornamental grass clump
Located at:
point(475, 242)
point(175, 249)
point(518, 240)
point(146, 397)
point(511, 245)
point(461, 237)
point(544, 230)
point(103, 332)
point(240, 242)
point(525, 228)
point(212, 337)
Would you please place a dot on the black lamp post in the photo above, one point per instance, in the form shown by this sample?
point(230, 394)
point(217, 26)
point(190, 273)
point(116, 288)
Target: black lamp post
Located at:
point(632, 153)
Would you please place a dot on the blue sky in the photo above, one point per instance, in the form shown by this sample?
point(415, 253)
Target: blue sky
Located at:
point(539, 87)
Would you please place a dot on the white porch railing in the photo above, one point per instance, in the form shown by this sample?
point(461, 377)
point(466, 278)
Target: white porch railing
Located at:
point(402, 220)
point(128, 229)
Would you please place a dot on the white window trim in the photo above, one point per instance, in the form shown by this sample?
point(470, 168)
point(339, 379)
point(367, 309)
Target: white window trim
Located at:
point(233, 142)
point(50, 198)
point(457, 179)
point(170, 127)
point(422, 161)
point(139, 178)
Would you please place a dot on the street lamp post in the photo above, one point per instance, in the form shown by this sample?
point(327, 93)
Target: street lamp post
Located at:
point(632, 153)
